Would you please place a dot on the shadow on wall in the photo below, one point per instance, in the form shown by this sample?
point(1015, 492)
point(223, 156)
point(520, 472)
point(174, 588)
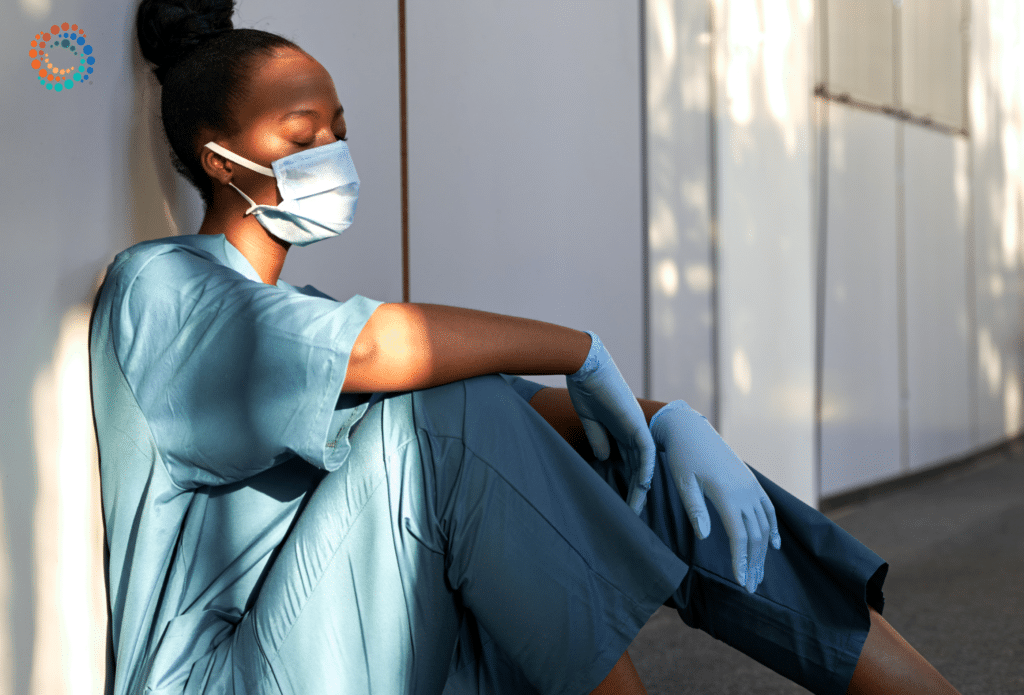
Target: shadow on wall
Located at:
point(678, 198)
point(160, 203)
point(70, 616)
point(996, 124)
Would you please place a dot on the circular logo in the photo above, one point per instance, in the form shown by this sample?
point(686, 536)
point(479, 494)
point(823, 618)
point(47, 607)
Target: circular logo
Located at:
point(60, 57)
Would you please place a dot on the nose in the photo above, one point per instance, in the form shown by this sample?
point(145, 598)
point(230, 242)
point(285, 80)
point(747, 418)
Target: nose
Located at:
point(326, 137)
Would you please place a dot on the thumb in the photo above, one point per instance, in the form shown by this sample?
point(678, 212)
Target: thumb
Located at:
point(598, 438)
point(696, 509)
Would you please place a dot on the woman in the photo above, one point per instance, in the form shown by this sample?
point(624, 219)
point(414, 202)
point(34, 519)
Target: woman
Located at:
point(448, 536)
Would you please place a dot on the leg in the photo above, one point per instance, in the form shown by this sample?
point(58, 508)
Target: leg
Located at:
point(337, 613)
point(814, 618)
point(623, 680)
point(458, 506)
point(888, 664)
point(583, 569)
point(808, 619)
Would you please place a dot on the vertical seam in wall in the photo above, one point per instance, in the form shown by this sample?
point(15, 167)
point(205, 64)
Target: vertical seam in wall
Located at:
point(403, 109)
point(901, 246)
point(971, 280)
point(821, 107)
point(716, 383)
point(645, 254)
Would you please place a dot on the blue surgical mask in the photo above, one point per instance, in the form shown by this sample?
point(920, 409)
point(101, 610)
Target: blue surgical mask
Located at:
point(319, 189)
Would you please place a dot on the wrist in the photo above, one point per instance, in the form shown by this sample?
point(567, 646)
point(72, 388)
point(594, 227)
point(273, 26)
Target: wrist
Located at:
point(592, 360)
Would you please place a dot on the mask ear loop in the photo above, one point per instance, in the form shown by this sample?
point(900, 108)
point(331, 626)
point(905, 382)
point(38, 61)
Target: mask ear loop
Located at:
point(252, 203)
point(248, 164)
point(239, 159)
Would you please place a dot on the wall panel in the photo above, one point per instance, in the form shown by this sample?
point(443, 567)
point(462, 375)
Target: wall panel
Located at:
point(766, 310)
point(682, 273)
point(524, 163)
point(996, 102)
point(936, 208)
point(860, 413)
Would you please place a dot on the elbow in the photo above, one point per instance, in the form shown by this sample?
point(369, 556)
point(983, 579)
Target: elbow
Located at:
point(388, 355)
point(361, 363)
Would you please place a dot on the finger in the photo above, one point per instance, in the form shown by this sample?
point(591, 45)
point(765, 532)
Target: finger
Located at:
point(696, 508)
point(639, 485)
point(762, 521)
point(757, 547)
point(648, 457)
point(739, 546)
point(773, 522)
point(598, 438)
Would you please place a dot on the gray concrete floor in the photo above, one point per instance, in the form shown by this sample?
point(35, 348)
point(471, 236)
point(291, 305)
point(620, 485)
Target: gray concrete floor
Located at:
point(955, 547)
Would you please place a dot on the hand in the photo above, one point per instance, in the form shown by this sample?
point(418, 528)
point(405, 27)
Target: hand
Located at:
point(702, 464)
point(605, 405)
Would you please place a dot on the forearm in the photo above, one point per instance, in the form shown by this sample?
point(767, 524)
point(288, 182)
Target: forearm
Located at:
point(404, 347)
point(554, 405)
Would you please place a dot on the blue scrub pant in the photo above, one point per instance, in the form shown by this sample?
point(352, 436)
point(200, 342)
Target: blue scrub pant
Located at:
point(466, 548)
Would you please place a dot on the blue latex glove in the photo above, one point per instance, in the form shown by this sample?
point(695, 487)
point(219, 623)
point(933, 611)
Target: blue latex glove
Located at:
point(605, 405)
point(702, 464)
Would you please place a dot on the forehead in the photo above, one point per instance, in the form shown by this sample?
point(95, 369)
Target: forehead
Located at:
point(283, 82)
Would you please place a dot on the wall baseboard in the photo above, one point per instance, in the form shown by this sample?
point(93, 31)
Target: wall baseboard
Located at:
point(1006, 449)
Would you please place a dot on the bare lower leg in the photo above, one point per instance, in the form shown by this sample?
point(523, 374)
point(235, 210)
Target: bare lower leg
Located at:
point(888, 664)
point(623, 679)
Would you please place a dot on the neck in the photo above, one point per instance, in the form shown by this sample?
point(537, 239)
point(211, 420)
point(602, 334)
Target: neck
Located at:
point(265, 253)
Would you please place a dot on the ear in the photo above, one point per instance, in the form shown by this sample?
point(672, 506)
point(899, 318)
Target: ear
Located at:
point(216, 167)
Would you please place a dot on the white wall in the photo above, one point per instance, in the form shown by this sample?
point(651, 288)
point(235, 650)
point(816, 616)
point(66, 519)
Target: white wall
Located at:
point(69, 203)
point(729, 194)
point(860, 428)
point(932, 222)
point(524, 164)
point(679, 194)
point(936, 210)
point(766, 310)
point(995, 99)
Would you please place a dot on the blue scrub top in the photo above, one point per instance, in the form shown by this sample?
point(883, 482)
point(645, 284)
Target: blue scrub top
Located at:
point(213, 392)
point(204, 376)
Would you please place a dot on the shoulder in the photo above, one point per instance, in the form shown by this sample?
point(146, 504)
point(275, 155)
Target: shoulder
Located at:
point(168, 257)
point(170, 275)
point(159, 284)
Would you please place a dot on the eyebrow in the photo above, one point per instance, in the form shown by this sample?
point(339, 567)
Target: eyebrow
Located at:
point(312, 112)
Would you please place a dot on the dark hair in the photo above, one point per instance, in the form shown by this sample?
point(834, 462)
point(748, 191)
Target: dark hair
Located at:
point(203, 64)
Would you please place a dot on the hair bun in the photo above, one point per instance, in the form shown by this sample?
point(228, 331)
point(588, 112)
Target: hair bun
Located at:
point(168, 29)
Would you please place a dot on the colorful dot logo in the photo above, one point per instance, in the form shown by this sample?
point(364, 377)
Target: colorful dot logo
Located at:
point(60, 57)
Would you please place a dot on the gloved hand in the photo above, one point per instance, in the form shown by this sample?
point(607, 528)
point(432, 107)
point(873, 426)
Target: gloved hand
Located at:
point(605, 405)
point(702, 464)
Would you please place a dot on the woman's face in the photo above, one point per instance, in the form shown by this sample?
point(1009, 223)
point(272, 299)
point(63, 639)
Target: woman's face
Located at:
point(290, 105)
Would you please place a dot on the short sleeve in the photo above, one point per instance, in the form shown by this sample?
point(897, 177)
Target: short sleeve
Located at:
point(524, 387)
point(234, 375)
